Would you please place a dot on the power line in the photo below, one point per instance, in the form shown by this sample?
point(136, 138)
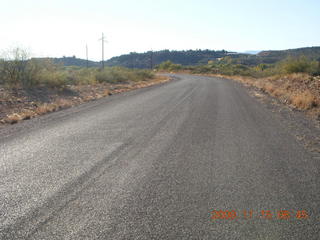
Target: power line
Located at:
point(102, 41)
point(87, 56)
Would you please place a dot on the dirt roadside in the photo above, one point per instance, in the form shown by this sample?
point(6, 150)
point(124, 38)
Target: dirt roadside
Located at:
point(22, 104)
point(301, 118)
point(300, 92)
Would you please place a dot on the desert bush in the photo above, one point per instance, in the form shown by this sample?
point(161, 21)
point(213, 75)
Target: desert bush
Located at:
point(169, 66)
point(53, 79)
point(112, 75)
point(226, 69)
point(226, 66)
point(143, 75)
point(299, 65)
point(204, 69)
point(81, 76)
point(122, 75)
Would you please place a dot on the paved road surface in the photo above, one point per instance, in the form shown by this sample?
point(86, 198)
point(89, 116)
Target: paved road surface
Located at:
point(152, 163)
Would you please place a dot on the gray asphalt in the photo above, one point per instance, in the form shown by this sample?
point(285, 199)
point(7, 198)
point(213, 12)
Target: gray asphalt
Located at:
point(153, 164)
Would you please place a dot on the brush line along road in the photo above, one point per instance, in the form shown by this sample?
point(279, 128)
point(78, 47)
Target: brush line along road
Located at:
point(155, 163)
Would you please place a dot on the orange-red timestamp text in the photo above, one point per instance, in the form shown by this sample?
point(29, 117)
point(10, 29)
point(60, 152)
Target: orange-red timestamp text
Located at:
point(263, 214)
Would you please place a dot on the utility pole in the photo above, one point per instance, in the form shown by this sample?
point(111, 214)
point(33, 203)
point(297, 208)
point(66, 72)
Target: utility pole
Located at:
point(102, 41)
point(87, 55)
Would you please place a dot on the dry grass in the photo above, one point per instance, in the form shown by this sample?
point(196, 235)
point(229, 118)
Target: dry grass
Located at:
point(63, 103)
point(17, 117)
point(301, 91)
point(12, 119)
point(27, 114)
point(85, 93)
point(106, 93)
point(268, 87)
point(40, 110)
point(45, 108)
point(304, 101)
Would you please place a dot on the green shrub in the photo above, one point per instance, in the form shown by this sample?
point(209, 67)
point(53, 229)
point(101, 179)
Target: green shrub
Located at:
point(112, 75)
point(53, 79)
point(16, 70)
point(81, 76)
point(122, 75)
point(299, 65)
point(204, 69)
point(143, 75)
point(227, 66)
point(169, 66)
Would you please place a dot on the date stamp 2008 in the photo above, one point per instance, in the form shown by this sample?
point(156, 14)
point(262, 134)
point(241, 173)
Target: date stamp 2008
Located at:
point(263, 214)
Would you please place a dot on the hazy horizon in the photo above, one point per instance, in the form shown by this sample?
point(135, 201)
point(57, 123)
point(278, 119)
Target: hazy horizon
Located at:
point(59, 28)
point(252, 52)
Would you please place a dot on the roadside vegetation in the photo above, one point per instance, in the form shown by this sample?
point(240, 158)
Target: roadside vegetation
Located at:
point(17, 70)
point(294, 81)
point(31, 87)
point(228, 66)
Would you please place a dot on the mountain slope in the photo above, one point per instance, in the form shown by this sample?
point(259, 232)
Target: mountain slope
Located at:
point(192, 57)
point(148, 59)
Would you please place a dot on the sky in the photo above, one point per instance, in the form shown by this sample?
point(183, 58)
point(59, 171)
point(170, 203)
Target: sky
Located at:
point(57, 28)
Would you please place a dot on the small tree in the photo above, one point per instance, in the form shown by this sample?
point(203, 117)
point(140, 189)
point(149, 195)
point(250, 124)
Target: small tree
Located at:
point(17, 69)
point(13, 67)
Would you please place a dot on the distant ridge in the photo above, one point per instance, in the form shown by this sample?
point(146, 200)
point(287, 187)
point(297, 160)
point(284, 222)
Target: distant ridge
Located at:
point(192, 57)
point(188, 57)
point(252, 52)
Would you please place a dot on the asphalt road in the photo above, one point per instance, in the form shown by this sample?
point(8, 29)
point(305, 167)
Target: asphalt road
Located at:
point(153, 164)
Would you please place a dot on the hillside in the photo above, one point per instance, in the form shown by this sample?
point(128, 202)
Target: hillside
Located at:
point(193, 57)
point(73, 61)
point(143, 60)
point(270, 57)
point(199, 57)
